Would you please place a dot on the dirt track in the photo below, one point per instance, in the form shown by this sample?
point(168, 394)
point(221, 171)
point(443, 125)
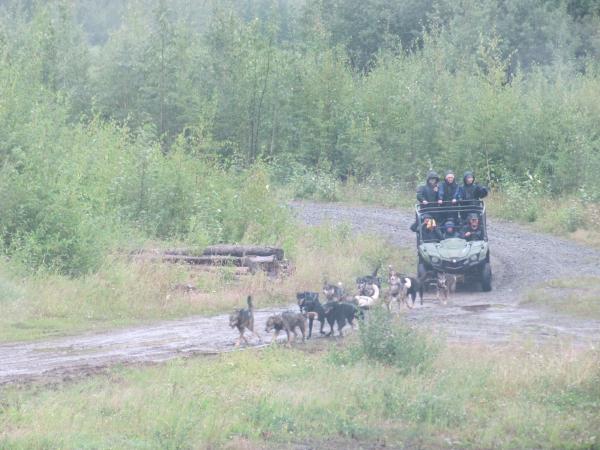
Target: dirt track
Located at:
point(520, 260)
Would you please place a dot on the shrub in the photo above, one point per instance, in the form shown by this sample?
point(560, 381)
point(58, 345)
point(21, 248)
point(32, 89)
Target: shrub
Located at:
point(572, 216)
point(315, 185)
point(521, 200)
point(388, 340)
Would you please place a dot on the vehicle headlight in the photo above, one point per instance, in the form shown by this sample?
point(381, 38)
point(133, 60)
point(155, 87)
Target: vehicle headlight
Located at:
point(474, 257)
point(435, 260)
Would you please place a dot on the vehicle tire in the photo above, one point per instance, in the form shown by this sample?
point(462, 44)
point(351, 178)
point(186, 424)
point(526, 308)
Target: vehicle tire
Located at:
point(486, 277)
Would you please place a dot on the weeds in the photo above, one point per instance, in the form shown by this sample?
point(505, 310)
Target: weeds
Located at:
point(472, 397)
point(386, 339)
point(579, 297)
point(124, 291)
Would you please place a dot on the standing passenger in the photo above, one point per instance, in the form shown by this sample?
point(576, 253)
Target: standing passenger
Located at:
point(470, 193)
point(447, 196)
point(428, 193)
point(448, 188)
point(470, 190)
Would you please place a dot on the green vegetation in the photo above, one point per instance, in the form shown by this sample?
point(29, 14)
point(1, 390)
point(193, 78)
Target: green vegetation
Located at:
point(504, 398)
point(386, 339)
point(122, 292)
point(170, 120)
point(154, 123)
point(579, 297)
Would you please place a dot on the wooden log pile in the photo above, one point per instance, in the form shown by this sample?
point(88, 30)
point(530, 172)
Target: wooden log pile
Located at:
point(246, 258)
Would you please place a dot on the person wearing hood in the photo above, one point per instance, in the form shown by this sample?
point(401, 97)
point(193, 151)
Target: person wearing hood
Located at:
point(428, 193)
point(472, 230)
point(450, 229)
point(429, 230)
point(470, 190)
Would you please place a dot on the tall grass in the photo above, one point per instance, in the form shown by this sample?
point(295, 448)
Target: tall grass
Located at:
point(387, 339)
point(124, 291)
point(470, 397)
point(579, 297)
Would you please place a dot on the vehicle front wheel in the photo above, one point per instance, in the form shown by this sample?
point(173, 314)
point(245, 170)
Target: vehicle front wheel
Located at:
point(486, 277)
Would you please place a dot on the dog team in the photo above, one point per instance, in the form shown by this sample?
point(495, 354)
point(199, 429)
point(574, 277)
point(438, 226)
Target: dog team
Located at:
point(340, 309)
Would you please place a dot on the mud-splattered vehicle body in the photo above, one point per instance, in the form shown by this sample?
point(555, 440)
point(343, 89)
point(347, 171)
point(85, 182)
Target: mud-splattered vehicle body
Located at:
point(469, 260)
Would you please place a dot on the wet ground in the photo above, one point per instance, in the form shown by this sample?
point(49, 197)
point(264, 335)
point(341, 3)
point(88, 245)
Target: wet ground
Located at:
point(521, 260)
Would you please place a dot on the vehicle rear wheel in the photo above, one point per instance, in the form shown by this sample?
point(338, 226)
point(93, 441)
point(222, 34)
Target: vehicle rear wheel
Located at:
point(486, 277)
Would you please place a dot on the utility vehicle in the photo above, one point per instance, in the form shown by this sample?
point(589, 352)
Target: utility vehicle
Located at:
point(469, 260)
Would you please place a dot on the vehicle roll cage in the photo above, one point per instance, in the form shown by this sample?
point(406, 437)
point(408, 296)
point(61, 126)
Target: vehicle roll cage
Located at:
point(449, 209)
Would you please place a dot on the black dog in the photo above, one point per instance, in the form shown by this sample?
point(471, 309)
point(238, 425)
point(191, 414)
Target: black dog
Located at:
point(340, 313)
point(309, 304)
point(412, 286)
point(301, 297)
point(370, 279)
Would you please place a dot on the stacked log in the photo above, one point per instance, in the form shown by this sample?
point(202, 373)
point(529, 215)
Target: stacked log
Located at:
point(252, 257)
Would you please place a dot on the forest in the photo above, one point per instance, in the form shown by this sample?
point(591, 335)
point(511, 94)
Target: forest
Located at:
point(136, 133)
point(180, 120)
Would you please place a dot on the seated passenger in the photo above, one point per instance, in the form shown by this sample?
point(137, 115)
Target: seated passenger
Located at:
point(472, 230)
point(429, 231)
point(450, 230)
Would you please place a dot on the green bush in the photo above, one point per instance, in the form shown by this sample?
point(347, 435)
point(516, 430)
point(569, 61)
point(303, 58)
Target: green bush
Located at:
point(72, 193)
point(387, 339)
point(317, 185)
point(572, 216)
point(521, 201)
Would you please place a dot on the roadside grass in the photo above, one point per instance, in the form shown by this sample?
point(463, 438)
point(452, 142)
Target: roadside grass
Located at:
point(468, 397)
point(579, 297)
point(567, 216)
point(389, 195)
point(125, 291)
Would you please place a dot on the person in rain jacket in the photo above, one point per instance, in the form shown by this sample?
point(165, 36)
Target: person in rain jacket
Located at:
point(449, 230)
point(472, 230)
point(428, 193)
point(429, 230)
point(447, 196)
point(470, 190)
point(448, 188)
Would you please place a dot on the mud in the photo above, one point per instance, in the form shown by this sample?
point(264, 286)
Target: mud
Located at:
point(520, 260)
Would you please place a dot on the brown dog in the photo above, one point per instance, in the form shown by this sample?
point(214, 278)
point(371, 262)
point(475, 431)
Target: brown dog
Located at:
point(243, 319)
point(288, 321)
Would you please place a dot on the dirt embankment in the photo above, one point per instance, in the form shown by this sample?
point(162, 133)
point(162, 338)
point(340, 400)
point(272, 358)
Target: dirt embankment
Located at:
point(520, 260)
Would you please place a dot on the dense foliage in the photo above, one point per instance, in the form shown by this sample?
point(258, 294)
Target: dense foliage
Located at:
point(144, 117)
